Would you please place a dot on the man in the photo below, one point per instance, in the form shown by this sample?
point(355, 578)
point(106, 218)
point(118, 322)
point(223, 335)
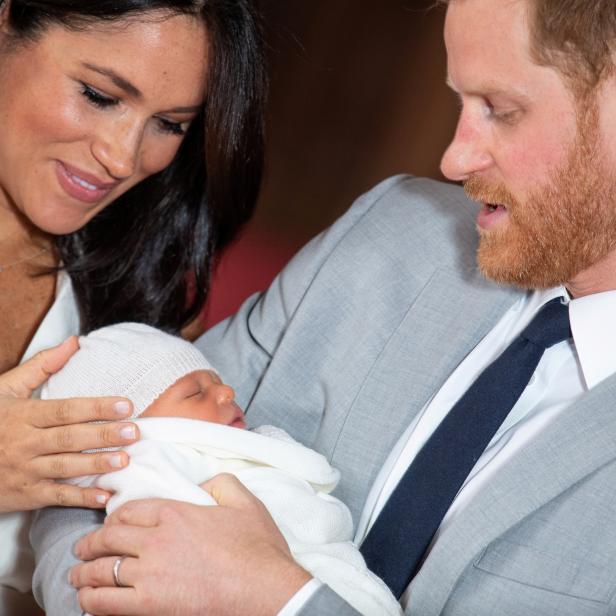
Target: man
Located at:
point(371, 336)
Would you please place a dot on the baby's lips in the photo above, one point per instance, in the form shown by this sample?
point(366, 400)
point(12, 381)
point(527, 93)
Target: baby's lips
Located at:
point(238, 419)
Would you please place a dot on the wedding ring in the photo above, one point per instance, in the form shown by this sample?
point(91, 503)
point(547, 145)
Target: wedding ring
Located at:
point(116, 572)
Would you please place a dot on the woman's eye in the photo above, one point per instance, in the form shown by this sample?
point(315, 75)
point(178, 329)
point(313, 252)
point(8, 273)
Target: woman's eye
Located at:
point(96, 98)
point(175, 128)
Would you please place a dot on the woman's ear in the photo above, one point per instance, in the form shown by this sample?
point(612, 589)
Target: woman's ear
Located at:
point(4, 16)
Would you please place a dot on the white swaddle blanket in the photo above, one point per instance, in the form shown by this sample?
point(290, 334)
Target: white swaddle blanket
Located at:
point(175, 455)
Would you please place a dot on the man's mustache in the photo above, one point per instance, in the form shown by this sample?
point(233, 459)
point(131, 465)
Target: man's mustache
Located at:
point(483, 192)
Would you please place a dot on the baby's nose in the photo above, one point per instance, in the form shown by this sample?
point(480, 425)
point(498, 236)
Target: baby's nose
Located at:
point(224, 394)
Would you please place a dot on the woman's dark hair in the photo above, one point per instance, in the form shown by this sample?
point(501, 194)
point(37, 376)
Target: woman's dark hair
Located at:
point(147, 257)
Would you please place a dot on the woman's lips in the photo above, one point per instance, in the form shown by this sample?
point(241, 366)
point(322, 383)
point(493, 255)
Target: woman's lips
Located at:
point(81, 185)
point(490, 215)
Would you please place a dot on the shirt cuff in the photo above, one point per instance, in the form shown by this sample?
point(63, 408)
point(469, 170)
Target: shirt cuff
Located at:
point(300, 598)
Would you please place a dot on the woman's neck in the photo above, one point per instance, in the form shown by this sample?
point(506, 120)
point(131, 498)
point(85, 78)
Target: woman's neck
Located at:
point(18, 234)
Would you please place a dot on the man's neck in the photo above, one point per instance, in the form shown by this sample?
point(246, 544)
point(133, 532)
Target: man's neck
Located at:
point(598, 278)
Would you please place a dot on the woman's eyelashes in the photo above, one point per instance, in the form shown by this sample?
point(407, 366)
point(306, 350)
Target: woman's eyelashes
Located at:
point(175, 128)
point(102, 101)
point(98, 99)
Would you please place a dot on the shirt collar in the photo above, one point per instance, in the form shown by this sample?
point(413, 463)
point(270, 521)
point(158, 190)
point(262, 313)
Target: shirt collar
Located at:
point(593, 324)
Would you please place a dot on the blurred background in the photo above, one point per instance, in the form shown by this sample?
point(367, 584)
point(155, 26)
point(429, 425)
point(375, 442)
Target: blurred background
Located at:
point(357, 94)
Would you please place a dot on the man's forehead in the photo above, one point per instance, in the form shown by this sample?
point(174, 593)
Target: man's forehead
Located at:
point(488, 48)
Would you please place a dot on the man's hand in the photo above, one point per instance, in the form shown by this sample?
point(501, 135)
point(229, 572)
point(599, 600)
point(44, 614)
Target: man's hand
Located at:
point(185, 559)
point(40, 440)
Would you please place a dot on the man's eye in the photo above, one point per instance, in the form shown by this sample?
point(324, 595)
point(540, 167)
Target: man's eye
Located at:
point(504, 116)
point(96, 98)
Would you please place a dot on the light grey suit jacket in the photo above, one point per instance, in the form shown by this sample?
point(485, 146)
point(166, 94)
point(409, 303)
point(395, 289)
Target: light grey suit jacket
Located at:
point(343, 350)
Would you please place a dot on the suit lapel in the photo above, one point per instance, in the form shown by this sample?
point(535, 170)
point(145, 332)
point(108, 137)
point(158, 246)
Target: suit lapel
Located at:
point(444, 323)
point(579, 441)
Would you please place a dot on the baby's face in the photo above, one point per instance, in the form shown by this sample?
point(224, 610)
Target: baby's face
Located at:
point(198, 395)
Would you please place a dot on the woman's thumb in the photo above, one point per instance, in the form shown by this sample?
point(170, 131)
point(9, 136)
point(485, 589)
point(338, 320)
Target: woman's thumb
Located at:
point(22, 380)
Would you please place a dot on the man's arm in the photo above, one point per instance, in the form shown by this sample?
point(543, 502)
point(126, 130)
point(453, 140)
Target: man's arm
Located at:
point(241, 348)
point(53, 535)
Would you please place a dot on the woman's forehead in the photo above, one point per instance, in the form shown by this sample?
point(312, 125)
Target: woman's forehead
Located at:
point(164, 58)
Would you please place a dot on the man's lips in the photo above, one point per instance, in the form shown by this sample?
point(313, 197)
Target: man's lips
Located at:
point(490, 215)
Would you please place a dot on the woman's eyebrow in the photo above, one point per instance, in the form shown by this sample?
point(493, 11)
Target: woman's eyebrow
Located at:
point(119, 81)
point(194, 109)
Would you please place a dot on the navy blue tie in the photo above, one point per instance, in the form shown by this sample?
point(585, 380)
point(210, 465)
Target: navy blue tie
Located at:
point(397, 541)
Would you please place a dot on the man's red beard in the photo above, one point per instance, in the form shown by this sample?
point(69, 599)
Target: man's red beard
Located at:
point(560, 229)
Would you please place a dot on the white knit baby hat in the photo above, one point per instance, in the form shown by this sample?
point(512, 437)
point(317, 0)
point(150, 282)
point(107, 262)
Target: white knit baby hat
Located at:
point(132, 360)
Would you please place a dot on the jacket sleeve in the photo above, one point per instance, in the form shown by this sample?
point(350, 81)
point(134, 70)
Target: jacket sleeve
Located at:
point(241, 347)
point(53, 535)
point(325, 602)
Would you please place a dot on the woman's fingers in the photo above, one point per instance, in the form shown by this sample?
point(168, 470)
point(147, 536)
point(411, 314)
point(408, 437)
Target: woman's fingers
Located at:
point(65, 466)
point(21, 381)
point(50, 413)
point(81, 437)
point(51, 494)
point(39, 439)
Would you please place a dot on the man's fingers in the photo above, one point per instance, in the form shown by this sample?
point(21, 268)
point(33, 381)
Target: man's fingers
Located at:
point(106, 601)
point(50, 413)
point(52, 494)
point(82, 437)
point(65, 466)
point(144, 513)
point(99, 572)
point(21, 381)
point(228, 491)
point(111, 540)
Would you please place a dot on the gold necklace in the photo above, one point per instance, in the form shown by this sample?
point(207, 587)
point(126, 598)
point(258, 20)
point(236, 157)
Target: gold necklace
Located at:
point(8, 266)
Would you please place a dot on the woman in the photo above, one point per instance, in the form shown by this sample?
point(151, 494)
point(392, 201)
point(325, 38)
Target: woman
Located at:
point(130, 154)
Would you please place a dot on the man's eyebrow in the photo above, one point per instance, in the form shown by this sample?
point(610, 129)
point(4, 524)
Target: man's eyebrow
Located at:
point(488, 88)
point(119, 81)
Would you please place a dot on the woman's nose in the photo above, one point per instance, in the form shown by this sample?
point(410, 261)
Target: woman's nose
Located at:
point(117, 150)
point(466, 155)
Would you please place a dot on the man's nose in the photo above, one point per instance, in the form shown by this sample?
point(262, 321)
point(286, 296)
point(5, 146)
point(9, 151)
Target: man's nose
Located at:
point(117, 149)
point(466, 155)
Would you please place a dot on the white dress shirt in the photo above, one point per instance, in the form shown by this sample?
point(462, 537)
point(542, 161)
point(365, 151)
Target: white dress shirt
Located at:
point(565, 372)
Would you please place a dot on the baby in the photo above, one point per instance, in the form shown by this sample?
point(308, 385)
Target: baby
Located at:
point(192, 429)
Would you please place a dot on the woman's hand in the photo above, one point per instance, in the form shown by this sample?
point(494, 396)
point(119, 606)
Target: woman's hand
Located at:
point(40, 440)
